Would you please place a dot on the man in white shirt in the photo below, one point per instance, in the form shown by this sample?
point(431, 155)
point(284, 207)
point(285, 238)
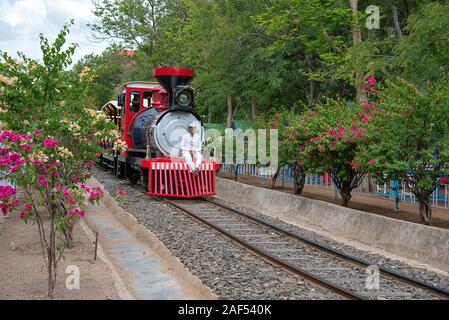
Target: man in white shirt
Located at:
point(191, 149)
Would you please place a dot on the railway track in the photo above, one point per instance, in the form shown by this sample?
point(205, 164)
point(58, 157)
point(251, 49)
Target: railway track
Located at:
point(343, 274)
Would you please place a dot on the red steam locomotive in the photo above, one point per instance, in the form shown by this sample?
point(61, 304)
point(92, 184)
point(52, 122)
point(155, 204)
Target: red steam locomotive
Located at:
point(152, 119)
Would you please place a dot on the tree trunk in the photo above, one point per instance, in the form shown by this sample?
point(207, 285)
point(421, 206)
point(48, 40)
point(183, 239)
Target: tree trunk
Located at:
point(346, 197)
point(236, 173)
point(299, 179)
point(275, 178)
point(312, 83)
point(357, 39)
point(229, 119)
point(51, 285)
point(68, 235)
point(397, 25)
point(209, 115)
point(253, 109)
point(425, 210)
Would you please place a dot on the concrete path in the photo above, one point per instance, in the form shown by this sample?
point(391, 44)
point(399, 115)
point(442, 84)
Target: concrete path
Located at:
point(143, 273)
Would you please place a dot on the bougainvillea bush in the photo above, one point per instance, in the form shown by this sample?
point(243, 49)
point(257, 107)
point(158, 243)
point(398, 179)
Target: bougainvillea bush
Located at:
point(331, 137)
point(50, 140)
point(409, 137)
point(36, 164)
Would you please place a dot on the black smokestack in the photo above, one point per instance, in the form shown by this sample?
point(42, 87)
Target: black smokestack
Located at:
point(171, 78)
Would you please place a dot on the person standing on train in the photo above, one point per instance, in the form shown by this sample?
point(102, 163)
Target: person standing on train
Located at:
point(191, 145)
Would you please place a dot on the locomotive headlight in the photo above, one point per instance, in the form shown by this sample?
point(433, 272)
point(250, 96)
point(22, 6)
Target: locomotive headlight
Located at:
point(184, 98)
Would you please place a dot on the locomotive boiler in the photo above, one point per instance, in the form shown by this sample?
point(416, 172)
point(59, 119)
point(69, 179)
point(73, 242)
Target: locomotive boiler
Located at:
point(153, 119)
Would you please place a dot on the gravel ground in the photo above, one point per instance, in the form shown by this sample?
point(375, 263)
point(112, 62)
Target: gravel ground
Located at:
point(231, 272)
point(228, 270)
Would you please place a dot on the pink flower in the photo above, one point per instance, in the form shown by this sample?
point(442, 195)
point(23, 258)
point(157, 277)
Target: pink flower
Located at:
point(42, 181)
point(6, 192)
point(76, 212)
point(357, 166)
point(95, 194)
point(40, 131)
point(121, 193)
point(26, 146)
point(90, 164)
point(14, 157)
point(372, 80)
point(50, 144)
point(22, 214)
point(372, 162)
point(37, 163)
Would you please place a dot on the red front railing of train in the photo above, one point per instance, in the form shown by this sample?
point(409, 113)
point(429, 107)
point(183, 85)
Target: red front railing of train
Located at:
point(173, 179)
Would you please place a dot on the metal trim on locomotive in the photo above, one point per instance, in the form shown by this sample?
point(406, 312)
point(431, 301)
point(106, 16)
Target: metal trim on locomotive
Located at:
point(153, 118)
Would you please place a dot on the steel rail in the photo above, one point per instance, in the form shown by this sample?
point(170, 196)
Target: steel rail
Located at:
point(444, 293)
point(269, 257)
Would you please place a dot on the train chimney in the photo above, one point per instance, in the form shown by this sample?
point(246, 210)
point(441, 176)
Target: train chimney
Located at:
point(174, 81)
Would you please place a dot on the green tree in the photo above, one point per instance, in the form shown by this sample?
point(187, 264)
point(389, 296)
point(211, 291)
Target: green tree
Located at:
point(309, 40)
point(409, 137)
point(425, 49)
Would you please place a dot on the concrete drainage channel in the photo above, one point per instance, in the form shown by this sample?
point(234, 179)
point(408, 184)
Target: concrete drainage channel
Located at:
point(146, 266)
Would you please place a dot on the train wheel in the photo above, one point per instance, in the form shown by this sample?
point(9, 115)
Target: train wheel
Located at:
point(145, 180)
point(134, 176)
point(121, 172)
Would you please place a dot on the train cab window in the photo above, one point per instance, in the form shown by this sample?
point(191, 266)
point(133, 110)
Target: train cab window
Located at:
point(135, 101)
point(147, 99)
point(121, 104)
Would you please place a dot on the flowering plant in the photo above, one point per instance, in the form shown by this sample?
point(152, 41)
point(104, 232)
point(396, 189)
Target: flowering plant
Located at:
point(52, 137)
point(331, 138)
point(121, 196)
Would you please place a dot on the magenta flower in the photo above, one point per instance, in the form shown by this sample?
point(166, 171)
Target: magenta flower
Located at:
point(121, 193)
point(6, 192)
point(90, 164)
point(76, 212)
point(40, 131)
point(372, 80)
point(50, 144)
point(42, 181)
point(37, 163)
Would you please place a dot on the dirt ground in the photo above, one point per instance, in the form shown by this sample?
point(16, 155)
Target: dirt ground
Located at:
point(22, 271)
point(407, 212)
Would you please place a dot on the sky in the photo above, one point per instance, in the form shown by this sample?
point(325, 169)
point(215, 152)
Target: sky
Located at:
point(22, 20)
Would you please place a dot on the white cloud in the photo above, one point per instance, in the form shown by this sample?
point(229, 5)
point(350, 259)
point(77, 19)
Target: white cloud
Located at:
point(25, 19)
